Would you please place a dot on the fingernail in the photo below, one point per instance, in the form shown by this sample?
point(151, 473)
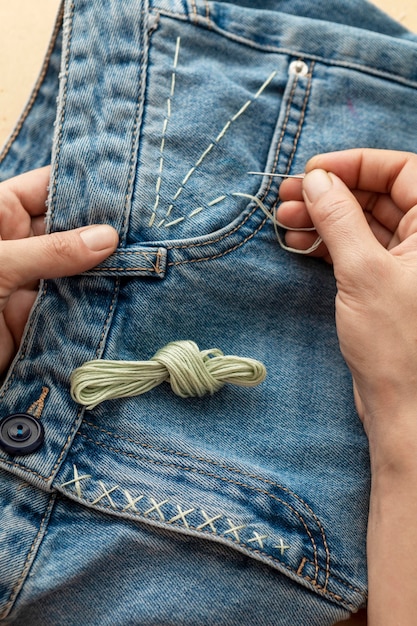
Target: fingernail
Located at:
point(316, 183)
point(99, 238)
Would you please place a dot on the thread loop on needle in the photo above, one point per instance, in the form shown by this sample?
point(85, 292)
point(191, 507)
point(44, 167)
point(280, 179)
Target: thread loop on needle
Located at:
point(190, 372)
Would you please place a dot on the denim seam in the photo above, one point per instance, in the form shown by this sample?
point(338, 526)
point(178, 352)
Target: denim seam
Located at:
point(137, 126)
point(35, 91)
point(291, 52)
point(194, 9)
point(339, 580)
point(37, 407)
point(227, 480)
point(60, 124)
point(35, 545)
point(154, 267)
point(24, 346)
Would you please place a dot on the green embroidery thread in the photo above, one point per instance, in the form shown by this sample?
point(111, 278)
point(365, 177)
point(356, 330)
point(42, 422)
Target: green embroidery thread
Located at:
point(190, 372)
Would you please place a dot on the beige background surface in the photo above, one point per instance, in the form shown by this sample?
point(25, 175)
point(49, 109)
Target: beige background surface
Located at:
point(25, 29)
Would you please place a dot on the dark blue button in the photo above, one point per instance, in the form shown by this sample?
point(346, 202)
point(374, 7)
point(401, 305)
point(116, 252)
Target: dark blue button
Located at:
point(20, 433)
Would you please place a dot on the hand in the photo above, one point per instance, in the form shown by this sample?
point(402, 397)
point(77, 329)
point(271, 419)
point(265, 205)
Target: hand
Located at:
point(366, 212)
point(27, 254)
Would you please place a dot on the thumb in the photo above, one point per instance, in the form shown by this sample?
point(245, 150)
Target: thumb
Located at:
point(55, 255)
point(338, 218)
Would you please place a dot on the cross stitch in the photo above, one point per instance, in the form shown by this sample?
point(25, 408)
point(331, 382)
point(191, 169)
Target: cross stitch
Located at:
point(156, 506)
point(282, 547)
point(131, 502)
point(76, 481)
point(233, 529)
point(106, 494)
point(181, 516)
point(258, 538)
point(209, 521)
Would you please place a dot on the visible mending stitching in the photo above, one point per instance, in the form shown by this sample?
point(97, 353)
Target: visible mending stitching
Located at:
point(181, 516)
point(234, 528)
point(76, 481)
point(228, 534)
point(164, 131)
point(217, 140)
point(156, 506)
point(258, 538)
point(282, 547)
point(229, 468)
point(132, 501)
point(264, 195)
point(225, 480)
point(36, 409)
point(27, 564)
point(209, 521)
point(38, 84)
point(106, 494)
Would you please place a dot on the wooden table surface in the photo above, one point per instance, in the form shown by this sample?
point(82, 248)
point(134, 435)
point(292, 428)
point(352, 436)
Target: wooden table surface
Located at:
point(25, 28)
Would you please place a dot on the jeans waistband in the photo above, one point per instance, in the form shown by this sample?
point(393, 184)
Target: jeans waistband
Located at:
point(365, 38)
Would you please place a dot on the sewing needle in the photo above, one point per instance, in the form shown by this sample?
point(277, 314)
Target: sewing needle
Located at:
point(300, 176)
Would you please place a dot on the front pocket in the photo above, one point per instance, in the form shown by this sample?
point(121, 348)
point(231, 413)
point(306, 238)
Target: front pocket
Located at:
point(215, 110)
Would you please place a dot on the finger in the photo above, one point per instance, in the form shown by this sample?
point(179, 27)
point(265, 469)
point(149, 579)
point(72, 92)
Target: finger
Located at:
point(291, 189)
point(304, 241)
point(52, 256)
point(339, 219)
point(383, 171)
point(294, 214)
point(30, 189)
point(38, 225)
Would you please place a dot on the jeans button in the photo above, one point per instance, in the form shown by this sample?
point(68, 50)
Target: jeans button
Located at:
point(21, 434)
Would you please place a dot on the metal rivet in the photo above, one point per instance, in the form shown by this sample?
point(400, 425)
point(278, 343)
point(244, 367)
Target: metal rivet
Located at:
point(298, 67)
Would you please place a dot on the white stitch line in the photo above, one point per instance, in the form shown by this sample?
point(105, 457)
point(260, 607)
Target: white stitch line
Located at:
point(76, 481)
point(160, 223)
point(222, 134)
point(181, 515)
point(233, 529)
point(156, 506)
point(282, 547)
point(177, 221)
point(258, 538)
point(196, 211)
point(164, 129)
point(209, 521)
point(106, 494)
point(131, 501)
point(216, 201)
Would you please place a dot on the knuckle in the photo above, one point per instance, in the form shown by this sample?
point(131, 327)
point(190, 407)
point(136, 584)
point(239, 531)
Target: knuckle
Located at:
point(60, 247)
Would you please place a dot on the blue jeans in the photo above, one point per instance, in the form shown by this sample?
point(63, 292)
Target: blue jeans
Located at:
point(248, 506)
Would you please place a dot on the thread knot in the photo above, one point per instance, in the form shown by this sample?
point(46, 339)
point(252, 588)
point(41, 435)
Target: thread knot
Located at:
point(190, 372)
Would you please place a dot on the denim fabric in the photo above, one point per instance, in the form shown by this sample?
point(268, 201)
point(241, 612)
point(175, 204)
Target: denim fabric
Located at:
point(248, 506)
